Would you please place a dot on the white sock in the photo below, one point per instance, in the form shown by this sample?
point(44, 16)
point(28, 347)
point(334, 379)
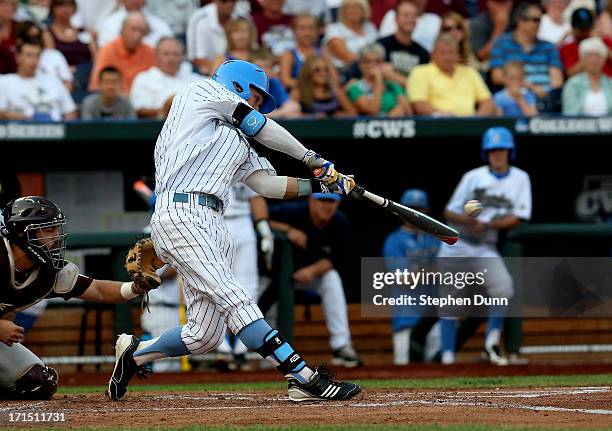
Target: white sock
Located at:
point(448, 357)
point(492, 338)
point(148, 357)
point(401, 346)
point(303, 376)
point(225, 347)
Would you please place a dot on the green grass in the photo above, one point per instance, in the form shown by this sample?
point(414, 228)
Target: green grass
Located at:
point(390, 427)
point(435, 383)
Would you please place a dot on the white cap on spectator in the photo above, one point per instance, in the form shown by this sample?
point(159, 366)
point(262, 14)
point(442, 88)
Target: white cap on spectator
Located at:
point(593, 45)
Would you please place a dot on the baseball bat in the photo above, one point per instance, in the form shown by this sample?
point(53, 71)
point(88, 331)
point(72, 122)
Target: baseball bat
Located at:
point(416, 218)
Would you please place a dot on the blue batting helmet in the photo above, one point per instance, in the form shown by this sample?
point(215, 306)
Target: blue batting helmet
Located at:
point(239, 76)
point(415, 198)
point(497, 138)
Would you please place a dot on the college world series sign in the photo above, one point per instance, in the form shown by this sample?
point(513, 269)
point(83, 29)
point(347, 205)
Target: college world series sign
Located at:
point(564, 126)
point(32, 131)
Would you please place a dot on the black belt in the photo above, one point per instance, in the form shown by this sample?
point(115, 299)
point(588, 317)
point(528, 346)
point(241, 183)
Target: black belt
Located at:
point(204, 199)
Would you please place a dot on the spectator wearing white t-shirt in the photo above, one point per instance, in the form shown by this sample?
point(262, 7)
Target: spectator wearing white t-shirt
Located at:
point(176, 12)
point(52, 62)
point(153, 90)
point(353, 31)
point(554, 26)
point(91, 13)
point(110, 28)
point(206, 34)
point(26, 95)
point(317, 8)
point(426, 30)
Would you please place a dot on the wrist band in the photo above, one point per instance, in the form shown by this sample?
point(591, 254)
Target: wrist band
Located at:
point(304, 187)
point(126, 291)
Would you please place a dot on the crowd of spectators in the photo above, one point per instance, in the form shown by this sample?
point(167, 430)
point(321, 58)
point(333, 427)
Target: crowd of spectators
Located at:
point(125, 59)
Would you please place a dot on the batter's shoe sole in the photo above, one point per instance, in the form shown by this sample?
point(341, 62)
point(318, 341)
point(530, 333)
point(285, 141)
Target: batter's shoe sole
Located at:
point(322, 387)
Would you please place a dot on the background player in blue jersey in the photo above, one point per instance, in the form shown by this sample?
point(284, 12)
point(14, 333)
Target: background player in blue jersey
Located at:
point(408, 248)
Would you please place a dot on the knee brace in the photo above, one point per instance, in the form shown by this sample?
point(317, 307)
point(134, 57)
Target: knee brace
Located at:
point(37, 383)
point(276, 346)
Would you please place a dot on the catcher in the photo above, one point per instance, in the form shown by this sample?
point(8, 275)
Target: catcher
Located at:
point(32, 268)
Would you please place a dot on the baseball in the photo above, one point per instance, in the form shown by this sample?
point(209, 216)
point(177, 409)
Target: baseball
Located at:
point(472, 208)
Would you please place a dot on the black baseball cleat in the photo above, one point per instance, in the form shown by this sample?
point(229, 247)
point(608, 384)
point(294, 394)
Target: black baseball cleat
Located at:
point(125, 367)
point(322, 387)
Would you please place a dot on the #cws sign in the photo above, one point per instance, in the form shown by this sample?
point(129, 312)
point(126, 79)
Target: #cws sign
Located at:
point(375, 129)
point(31, 131)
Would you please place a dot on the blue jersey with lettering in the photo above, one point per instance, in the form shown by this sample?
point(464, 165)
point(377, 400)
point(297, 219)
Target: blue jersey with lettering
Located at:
point(411, 250)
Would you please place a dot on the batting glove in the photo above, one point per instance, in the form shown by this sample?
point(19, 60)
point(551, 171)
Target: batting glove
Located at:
point(323, 170)
point(267, 241)
point(343, 184)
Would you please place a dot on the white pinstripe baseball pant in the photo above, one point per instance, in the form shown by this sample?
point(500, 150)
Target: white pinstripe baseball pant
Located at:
point(195, 241)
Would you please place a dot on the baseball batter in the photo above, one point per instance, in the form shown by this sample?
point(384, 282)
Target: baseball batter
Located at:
point(505, 193)
point(32, 268)
point(200, 153)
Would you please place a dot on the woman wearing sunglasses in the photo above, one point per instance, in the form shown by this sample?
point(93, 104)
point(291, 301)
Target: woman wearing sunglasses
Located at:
point(318, 90)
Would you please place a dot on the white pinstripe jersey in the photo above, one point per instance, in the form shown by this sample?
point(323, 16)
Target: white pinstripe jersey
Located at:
point(199, 149)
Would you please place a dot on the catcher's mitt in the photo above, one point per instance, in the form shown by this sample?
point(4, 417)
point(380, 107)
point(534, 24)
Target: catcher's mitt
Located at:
point(141, 263)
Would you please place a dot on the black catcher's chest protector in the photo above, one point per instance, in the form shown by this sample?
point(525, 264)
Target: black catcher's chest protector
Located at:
point(11, 298)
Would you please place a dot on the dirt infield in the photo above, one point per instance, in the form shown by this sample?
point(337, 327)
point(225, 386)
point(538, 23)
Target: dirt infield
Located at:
point(583, 407)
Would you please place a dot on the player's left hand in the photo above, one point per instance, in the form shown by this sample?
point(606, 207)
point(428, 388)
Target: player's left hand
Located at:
point(323, 170)
point(266, 244)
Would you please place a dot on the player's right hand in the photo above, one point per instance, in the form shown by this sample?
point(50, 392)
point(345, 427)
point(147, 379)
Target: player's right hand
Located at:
point(343, 184)
point(10, 333)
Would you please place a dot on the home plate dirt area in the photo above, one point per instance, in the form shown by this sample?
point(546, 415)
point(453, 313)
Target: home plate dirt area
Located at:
point(579, 407)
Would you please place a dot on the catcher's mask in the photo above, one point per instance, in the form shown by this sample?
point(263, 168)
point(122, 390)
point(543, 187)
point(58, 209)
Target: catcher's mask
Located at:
point(36, 225)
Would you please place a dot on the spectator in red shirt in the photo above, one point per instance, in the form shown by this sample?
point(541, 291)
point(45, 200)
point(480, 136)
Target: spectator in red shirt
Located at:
point(378, 10)
point(274, 27)
point(442, 7)
point(582, 28)
point(8, 36)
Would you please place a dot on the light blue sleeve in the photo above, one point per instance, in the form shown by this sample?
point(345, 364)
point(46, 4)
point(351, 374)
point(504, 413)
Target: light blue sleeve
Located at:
point(531, 98)
point(393, 252)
